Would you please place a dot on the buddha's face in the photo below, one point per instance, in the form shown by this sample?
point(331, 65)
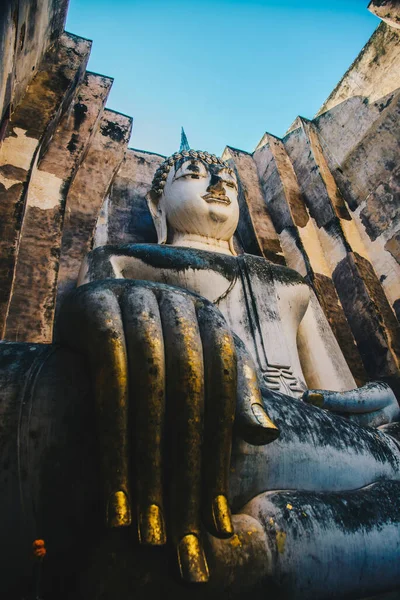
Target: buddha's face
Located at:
point(202, 199)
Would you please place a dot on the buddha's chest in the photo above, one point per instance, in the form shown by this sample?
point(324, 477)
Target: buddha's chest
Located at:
point(261, 306)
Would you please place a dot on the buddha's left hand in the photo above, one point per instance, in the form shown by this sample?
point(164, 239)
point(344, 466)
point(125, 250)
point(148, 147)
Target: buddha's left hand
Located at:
point(372, 405)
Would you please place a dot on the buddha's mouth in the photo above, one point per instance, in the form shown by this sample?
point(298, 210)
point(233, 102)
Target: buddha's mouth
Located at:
point(219, 199)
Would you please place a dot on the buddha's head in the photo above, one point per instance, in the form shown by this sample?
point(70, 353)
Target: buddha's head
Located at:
point(194, 194)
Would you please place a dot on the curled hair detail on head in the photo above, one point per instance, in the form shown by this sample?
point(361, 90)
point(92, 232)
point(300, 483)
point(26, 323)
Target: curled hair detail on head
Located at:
point(161, 174)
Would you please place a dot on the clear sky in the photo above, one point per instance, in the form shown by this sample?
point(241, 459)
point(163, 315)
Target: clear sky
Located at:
point(227, 70)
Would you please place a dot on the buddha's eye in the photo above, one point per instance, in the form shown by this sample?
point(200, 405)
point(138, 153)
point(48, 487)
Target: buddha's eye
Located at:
point(191, 175)
point(230, 184)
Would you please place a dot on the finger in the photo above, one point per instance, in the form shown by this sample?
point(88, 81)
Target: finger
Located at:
point(252, 421)
point(185, 406)
point(220, 393)
point(369, 398)
point(92, 324)
point(145, 346)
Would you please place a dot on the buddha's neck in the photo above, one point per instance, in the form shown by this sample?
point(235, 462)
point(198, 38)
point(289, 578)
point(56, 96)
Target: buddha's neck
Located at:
point(201, 242)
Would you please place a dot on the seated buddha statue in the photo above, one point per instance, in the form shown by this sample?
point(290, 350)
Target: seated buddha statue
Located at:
point(221, 403)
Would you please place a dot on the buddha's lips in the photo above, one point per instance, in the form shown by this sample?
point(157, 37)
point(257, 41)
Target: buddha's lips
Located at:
point(212, 198)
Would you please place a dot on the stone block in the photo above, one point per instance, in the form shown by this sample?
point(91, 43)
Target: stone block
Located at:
point(375, 72)
point(279, 184)
point(343, 127)
point(371, 318)
point(255, 230)
point(87, 193)
point(360, 142)
point(393, 246)
point(374, 158)
point(31, 307)
point(32, 125)
point(300, 243)
point(128, 217)
point(387, 10)
point(337, 232)
point(381, 209)
point(333, 309)
point(27, 29)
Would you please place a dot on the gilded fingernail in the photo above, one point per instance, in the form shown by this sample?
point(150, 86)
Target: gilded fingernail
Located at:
point(118, 510)
point(222, 516)
point(263, 418)
point(192, 561)
point(314, 399)
point(151, 526)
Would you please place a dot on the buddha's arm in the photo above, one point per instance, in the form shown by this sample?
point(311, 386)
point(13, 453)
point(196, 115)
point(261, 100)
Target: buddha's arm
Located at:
point(97, 265)
point(322, 361)
point(328, 375)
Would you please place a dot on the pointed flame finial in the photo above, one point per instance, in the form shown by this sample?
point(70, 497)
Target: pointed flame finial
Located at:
point(184, 142)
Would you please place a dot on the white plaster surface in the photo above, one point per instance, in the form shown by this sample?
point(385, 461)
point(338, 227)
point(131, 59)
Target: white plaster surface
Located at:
point(8, 181)
point(44, 190)
point(334, 249)
point(18, 149)
point(100, 236)
point(294, 258)
point(312, 246)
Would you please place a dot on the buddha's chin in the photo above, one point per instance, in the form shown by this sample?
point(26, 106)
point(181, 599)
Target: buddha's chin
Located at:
point(218, 213)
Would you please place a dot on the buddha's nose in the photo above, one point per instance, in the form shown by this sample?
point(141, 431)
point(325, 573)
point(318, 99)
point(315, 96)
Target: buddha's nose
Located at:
point(216, 185)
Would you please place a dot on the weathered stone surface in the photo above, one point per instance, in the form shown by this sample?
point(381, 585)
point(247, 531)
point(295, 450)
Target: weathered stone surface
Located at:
point(373, 159)
point(367, 174)
point(333, 309)
point(255, 230)
point(381, 209)
point(128, 218)
point(286, 204)
point(387, 10)
point(311, 183)
point(343, 127)
point(323, 198)
point(360, 142)
point(279, 184)
point(393, 246)
point(8, 32)
point(299, 240)
point(32, 124)
point(371, 318)
point(374, 73)
point(27, 29)
point(31, 307)
point(341, 239)
point(88, 192)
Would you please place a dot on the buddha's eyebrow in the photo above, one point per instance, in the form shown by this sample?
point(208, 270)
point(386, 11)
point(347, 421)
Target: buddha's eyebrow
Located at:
point(188, 166)
point(193, 167)
point(225, 171)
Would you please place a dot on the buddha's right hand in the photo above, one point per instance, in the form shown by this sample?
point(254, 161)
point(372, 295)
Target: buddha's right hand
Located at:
point(168, 377)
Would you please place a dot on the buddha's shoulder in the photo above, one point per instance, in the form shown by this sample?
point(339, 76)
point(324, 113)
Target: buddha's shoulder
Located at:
point(167, 257)
point(266, 269)
point(178, 258)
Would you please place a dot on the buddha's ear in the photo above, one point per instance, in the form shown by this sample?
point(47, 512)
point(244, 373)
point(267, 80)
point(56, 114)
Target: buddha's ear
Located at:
point(232, 247)
point(158, 215)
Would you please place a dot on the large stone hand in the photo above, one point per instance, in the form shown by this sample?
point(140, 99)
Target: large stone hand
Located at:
point(168, 375)
point(372, 405)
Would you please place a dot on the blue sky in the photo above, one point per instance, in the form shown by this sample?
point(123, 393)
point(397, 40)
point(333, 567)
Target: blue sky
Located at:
point(227, 70)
